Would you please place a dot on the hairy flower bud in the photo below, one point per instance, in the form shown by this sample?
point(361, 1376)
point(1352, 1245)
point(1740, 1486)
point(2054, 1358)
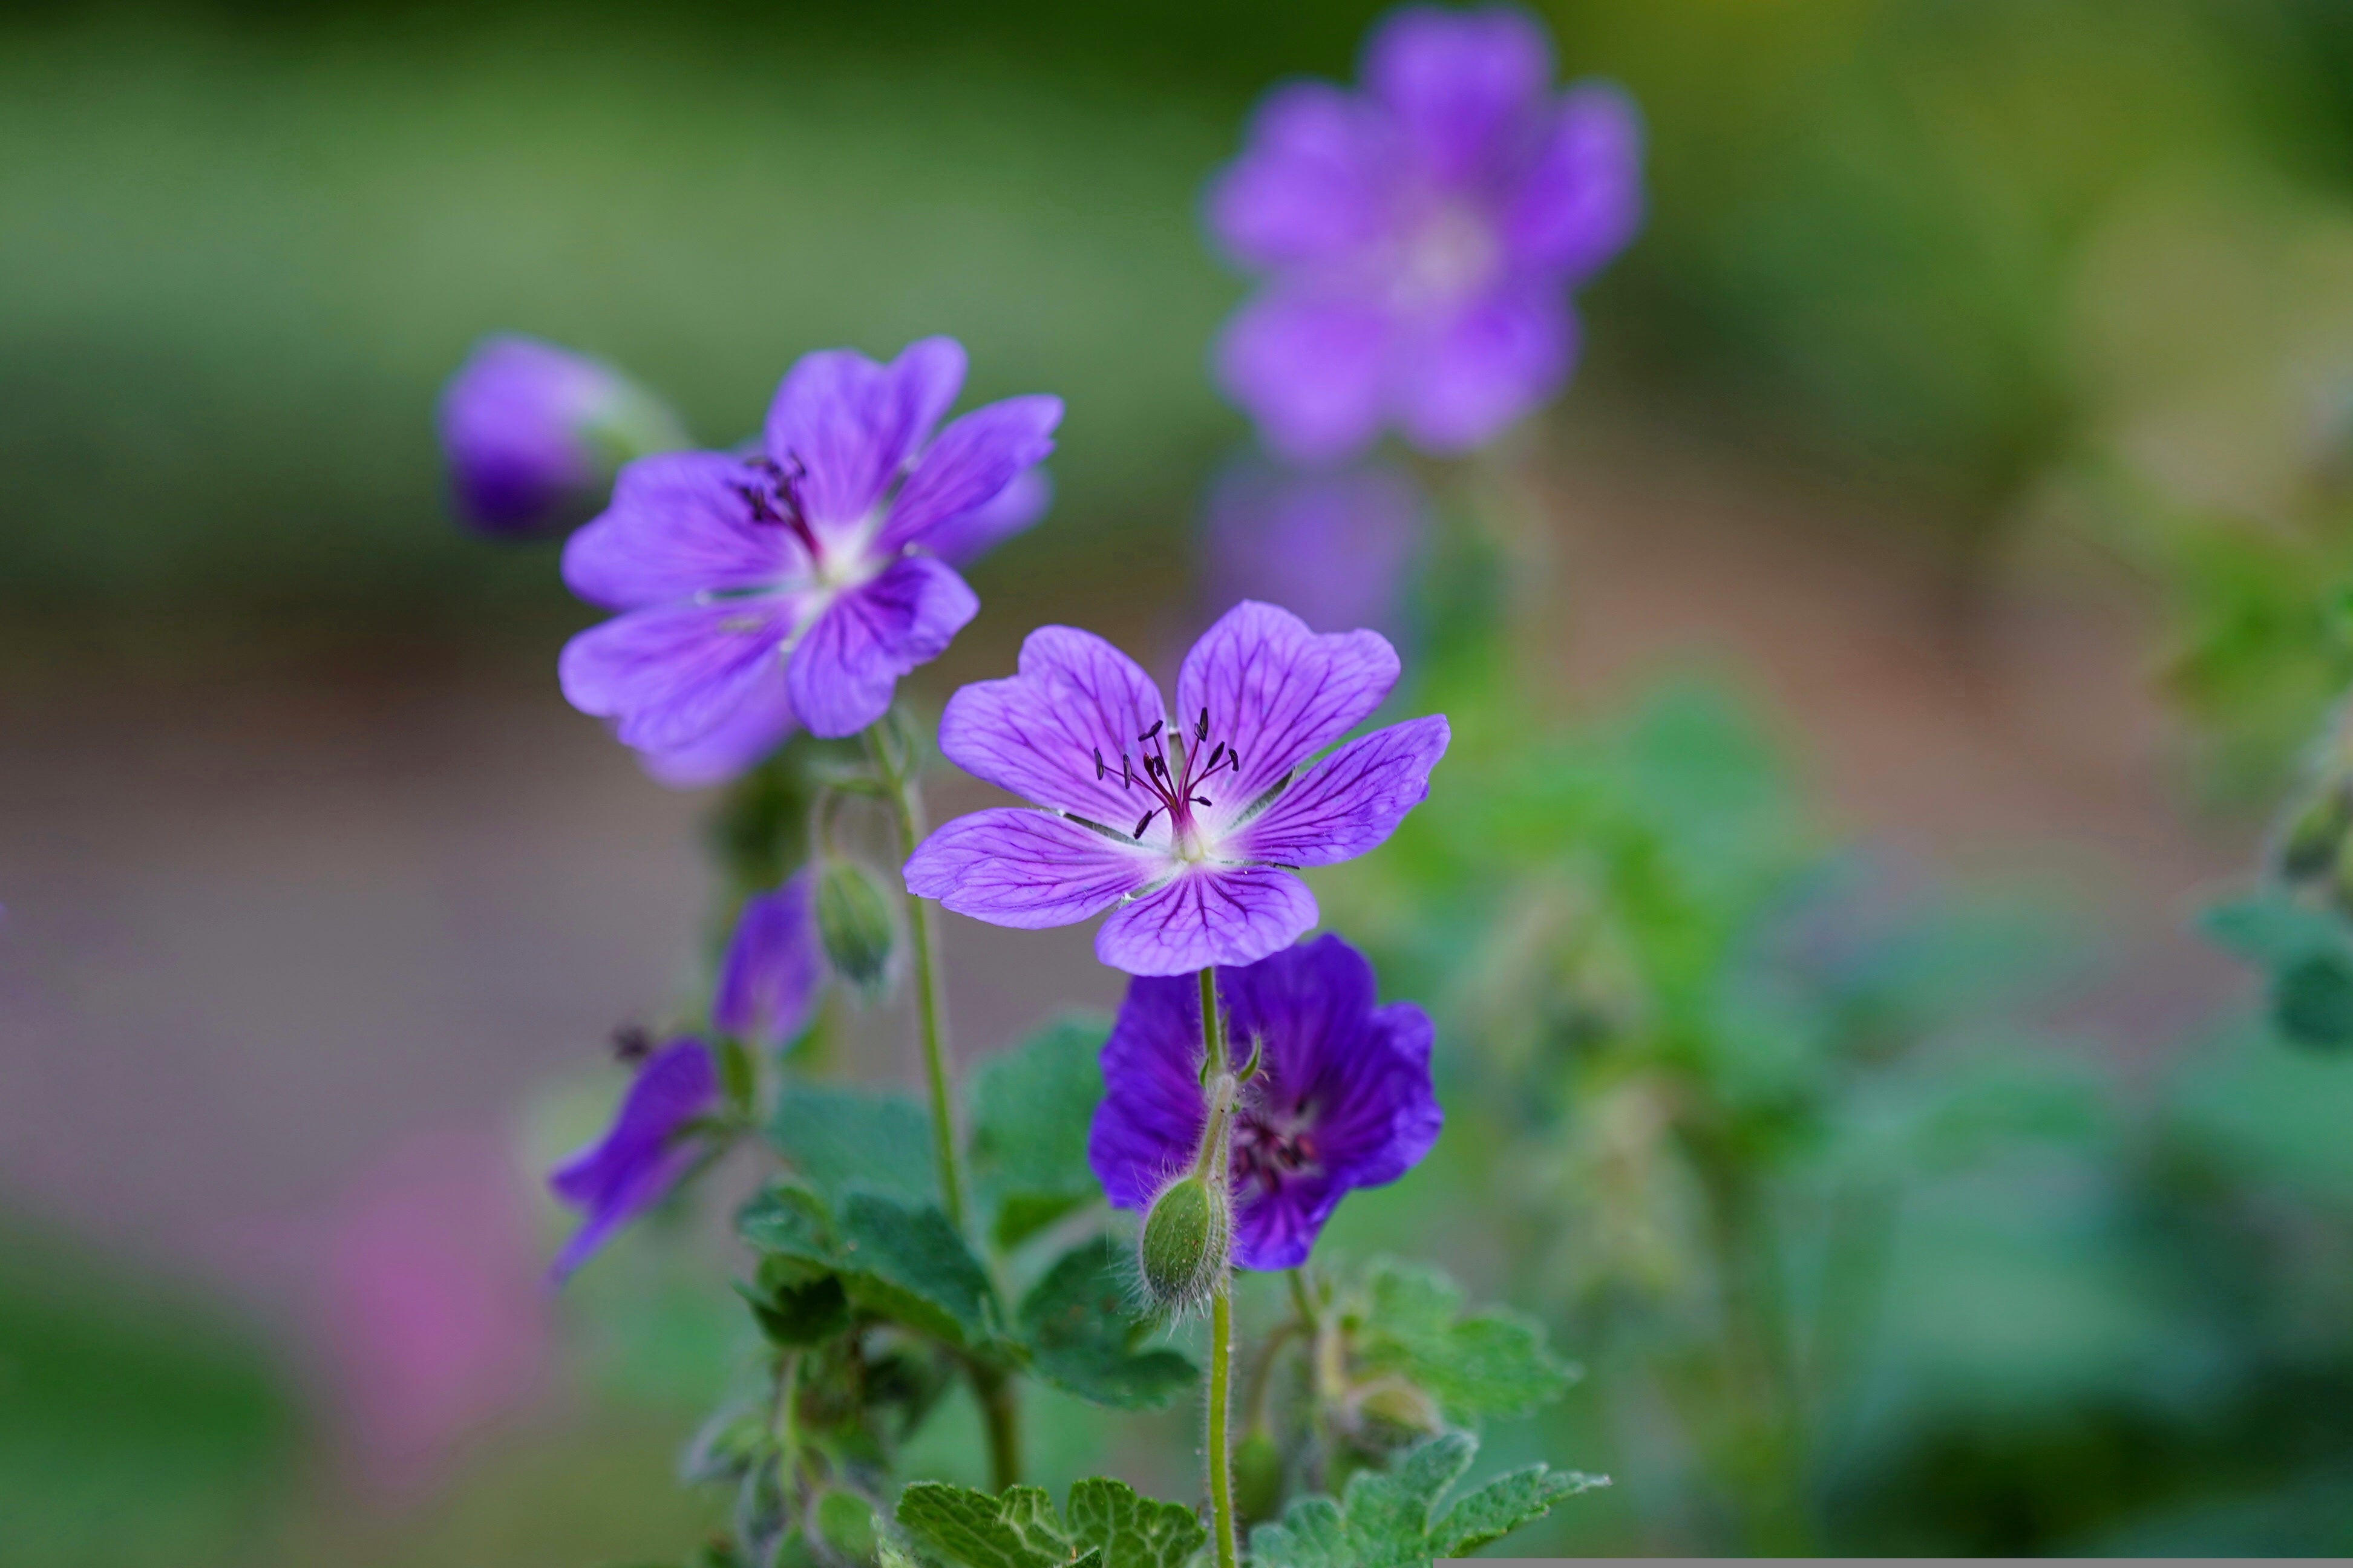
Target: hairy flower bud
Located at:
point(853, 921)
point(1183, 1247)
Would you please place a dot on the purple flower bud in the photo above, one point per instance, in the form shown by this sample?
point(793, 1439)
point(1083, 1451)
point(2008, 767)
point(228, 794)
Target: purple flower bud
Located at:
point(1333, 549)
point(773, 966)
point(531, 432)
point(648, 1149)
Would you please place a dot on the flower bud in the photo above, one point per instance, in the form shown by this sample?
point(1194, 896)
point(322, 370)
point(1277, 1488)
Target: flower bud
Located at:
point(1182, 1251)
point(1258, 1476)
point(532, 434)
point(853, 921)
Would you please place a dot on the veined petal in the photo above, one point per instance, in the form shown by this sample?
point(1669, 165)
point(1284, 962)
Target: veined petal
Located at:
point(1380, 1115)
point(1207, 915)
point(849, 661)
point(1458, 386)
point(1037, 732)
point(675, 673)
point(1582, 200)
point(850, 424)
point(974, 458)
point(1307, 368)
point(1465, 84)
point(676, 528)
point(1149, 1121)
point(966, 537)
point(1028, 869)
point(759, 725)
point(1313, 182)
point(1348, 803)
point(1278, 693)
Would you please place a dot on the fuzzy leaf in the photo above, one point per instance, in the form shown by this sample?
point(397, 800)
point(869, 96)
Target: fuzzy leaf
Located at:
point(1082, 1335)
point(1032, 1108)
point(1132, 1531)
point(837, 1139)
point(1016, 1531)
point(1385, 1521)
point(1489, 1363)
point(904, 1263)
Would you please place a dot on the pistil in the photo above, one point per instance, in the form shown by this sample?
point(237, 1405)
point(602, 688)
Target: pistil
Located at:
point(1175, 789)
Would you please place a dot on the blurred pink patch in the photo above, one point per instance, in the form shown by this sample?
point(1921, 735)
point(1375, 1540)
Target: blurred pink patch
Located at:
point(434, 1309)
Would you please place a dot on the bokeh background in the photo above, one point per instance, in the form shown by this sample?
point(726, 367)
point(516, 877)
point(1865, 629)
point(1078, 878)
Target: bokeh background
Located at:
point(1923, 534)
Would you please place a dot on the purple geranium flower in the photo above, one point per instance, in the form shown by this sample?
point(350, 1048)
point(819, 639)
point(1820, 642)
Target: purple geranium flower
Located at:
point(814, 555)
point(773, 966)
point(1342, 1098)
point(1421, 236)
point(1191, 824)
point(530, 431)
point(1333, 547)
point(634, 1166)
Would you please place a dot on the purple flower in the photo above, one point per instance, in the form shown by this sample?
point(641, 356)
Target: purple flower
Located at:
point(1333, 547)
point(1190, 824)
point(817, 554)
point(1342, 1098)
point(1420, 238)
point(634, 1166)
point(773, 966)
point(531, 429)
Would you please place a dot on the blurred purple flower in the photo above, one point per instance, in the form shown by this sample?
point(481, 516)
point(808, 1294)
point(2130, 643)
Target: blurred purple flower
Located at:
point(529, 430)
point(1341, 1099)
point(1334, 548)
point(1421, 236)
point(648, 1151)
point(773, 966)
point(1231, 799)
point(816, 554)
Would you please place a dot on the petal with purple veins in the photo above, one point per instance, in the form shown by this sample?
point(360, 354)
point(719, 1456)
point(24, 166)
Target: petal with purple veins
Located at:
point(851, 425)
point(1037, 733)
point(1221, 915)
point(974, 458)
point(1028, 869)
point(1350, 802)
point(674, 674)
point(849, 661)
point(677, 526)
point(761, 722)
point(1148, 1125)
point(1278, 693)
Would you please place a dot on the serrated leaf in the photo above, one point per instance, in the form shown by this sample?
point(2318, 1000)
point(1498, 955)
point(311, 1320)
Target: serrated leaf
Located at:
point(840, 1139)
point(1489, 1363)
point(1129, 1529)
point(1016, 1531)
point(1032, 1109)
point(1082, 1334)
point(1383, 1521)
point(1505, 1504)
point(907, 1264)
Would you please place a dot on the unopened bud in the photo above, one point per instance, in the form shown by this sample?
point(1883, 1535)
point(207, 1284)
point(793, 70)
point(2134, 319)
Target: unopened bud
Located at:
point(1258, 1476)
point(1182, 1251)
point(853, 921)
point(1399, 1406)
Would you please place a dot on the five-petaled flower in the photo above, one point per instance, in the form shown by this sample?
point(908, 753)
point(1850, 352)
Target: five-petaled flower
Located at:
point(798, 583)
point(650, 1147)
point(1192, 822)
point(530, 431)
point(1341, 1098)
point(1421, 236)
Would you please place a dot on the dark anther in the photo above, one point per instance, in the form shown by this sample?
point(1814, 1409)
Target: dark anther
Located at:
point(1153, 730)
point(1235, 758)
point(1098, 767)
point(1143, 822)
point(632, 1043)
point(1215, 756)
point(1203, 800)
point(1127, 774)
point(1201, 730)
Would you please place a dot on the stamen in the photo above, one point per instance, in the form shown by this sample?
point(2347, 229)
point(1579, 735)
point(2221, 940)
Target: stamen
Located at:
point(1126, 775)
point(1201, 730)
point(1213, 759)
point(1098, 767)
point(1203, 800)
point(1149, 733)
point(1143, 822)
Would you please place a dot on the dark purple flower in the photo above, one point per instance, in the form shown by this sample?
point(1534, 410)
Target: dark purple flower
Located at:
point(773, 966)
point(634, 1166)
point(1421, 236)
point(1192, 822)
point(816, 554)
point(1341, 1099)
point(1334, 548)
point(529, 430)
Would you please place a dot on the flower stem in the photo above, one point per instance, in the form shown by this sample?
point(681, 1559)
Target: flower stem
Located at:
point(1221, 1304)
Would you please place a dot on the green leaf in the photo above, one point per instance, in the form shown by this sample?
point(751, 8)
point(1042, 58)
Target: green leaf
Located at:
point(2272, 931)
point(1082, 1334)
point(1383, 1521)
point(1015, 1531)
point(1132, 1531)
point(904, 1263)
point(837, 1138)
point(1489, 1362)
point(1032, 1109)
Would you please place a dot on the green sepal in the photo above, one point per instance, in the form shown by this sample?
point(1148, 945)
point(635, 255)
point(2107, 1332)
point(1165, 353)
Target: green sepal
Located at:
point(1032, 1108)
point(1082, 1334)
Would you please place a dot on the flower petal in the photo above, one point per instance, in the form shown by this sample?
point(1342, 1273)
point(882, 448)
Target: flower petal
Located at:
point(965, 538)
point(1582, 200)
point(849, 661)
point(674, 674)
point(1148, 1123)
point(759, 725)
point(1308, 369)
point(1037, 732)
point(1348, 803)
point(1463, 83)
point(1333, 549)
point(1208, 915)
point(851, 425)
point(1458, 386)
point(676, 528)
point(1313, 182)
point(769, 977)
point(1277, 693)
point(974, 458)
point(1382, 1113)
point(636, 1163)
point(1027, 869)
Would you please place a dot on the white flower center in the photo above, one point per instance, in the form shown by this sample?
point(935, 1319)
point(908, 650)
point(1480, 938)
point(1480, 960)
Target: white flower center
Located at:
point(1452, 253)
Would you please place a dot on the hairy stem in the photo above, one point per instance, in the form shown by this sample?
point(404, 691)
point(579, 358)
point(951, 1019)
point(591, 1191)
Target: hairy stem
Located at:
point(1221, 1302)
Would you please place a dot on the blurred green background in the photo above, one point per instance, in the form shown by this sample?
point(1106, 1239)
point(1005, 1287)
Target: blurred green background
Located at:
point(2043, 313)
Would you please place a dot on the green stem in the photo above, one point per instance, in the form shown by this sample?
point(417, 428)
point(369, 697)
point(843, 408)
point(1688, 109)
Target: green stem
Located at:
point(1221, 1304)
